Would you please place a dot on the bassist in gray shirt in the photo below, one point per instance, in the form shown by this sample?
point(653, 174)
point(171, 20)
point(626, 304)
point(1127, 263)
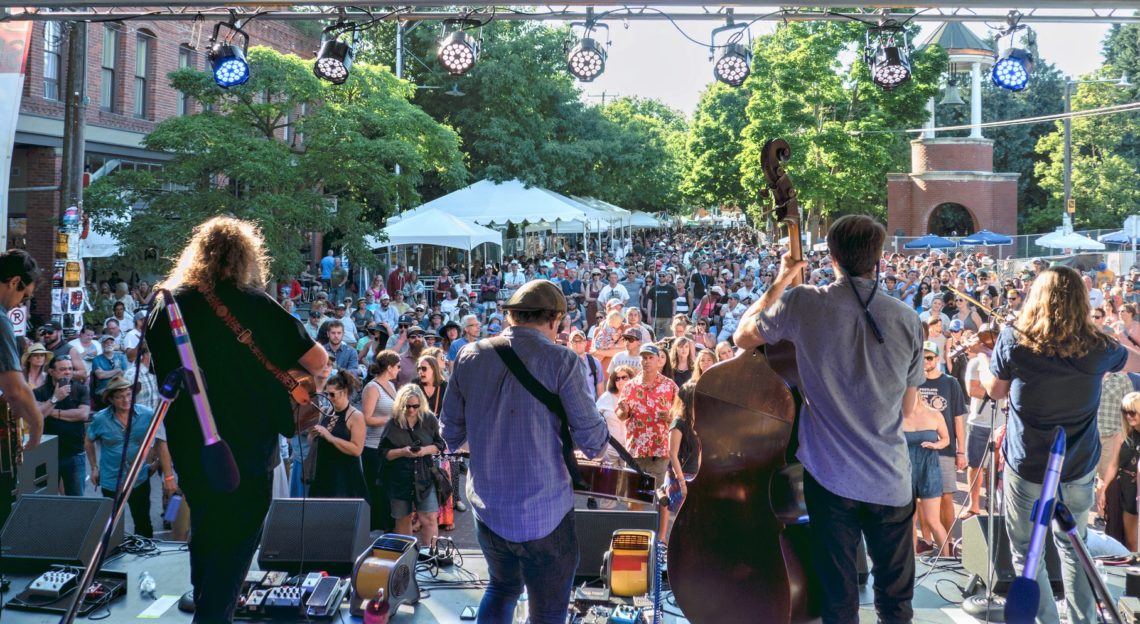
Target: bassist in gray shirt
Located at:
point(859, 360)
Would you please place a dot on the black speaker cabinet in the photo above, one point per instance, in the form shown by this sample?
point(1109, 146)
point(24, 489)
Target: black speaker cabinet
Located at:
point(595, 529)
point(975, 552)
point(50, 529)
point(315, 534)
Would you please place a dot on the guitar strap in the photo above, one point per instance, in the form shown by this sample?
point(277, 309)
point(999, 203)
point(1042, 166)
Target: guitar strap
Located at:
point(245, 337)
point(552, 402)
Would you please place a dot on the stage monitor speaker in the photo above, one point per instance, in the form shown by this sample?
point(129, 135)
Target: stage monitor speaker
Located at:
point(595, 530)
point(332, 534)
point(975, 552)
point(50, 529)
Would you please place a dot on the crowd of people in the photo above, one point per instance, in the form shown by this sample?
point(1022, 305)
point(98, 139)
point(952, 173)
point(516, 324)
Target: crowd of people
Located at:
point(644, 319)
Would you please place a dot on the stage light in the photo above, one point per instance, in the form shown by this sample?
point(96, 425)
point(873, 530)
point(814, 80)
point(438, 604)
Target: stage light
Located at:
point(734, 65)
point(586, 60)
point(1012, 70)
point(457, 53)
point(227, 61)
point(888, 61)
point(334, 61)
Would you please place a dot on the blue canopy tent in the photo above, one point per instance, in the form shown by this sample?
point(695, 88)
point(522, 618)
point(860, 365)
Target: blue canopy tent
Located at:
point(930, 241)
point(1119, 237)
point(987, 238)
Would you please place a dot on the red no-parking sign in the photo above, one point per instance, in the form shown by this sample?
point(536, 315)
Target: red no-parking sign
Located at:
point(19, 320)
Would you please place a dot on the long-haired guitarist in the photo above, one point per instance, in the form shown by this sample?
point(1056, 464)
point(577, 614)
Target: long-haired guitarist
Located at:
point(860, 364)
point(222, 274)
point(18, 274)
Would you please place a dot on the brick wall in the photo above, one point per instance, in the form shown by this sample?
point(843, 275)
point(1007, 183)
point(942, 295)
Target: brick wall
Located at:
point(951, 171)
point(164, 40)
point(162, 100)
point(951, 154)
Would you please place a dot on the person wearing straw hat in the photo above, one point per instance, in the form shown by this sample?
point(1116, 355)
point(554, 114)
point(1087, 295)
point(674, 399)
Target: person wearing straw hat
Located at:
point(106, 431)
point(18, 274)
point(35, 361)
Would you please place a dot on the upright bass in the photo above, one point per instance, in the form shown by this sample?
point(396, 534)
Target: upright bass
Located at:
point(740, 548)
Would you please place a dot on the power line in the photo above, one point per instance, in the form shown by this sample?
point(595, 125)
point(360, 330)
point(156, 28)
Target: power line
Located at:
point(1092, 112)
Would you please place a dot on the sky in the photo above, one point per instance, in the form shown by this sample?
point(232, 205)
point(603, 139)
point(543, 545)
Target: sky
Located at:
point(652, 59)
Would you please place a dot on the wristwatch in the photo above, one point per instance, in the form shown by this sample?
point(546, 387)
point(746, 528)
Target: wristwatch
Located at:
point(53, 400)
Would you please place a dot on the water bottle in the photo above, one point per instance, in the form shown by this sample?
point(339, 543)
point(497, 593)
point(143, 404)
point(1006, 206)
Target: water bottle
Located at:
point(147, 586)
point(377, 610)
point(522, 610)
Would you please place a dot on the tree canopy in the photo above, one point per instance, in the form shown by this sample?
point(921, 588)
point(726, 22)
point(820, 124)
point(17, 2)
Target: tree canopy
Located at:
point(286, 150)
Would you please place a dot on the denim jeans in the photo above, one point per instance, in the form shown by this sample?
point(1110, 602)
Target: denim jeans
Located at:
point(297, 489)
point(73, 474)
point(1020, 495)
point(837, 525)
point(545, 566)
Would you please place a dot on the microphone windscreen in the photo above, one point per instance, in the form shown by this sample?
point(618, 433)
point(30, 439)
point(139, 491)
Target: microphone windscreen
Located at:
point(220, 467)
point(1021, 601)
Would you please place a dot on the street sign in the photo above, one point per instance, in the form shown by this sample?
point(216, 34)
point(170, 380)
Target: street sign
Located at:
point(1071, 207)
point(19, 319)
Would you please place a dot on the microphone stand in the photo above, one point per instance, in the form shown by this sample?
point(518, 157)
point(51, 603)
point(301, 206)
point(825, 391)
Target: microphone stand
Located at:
point(168, 391)
point(988, 608)
point(1064, 519)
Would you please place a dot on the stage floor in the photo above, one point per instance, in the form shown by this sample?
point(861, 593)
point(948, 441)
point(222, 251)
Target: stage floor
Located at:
point(937, 592)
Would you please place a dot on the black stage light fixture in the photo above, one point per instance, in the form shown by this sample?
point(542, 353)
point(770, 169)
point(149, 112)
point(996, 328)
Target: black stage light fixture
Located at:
point(586, 60)
point(458, 52)
point(888, 61)
point(227, 61)
point(734, 65)
point(334, 61)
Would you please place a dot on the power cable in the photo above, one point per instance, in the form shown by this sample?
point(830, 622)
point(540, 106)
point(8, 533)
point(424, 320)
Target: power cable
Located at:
point(1020, 121)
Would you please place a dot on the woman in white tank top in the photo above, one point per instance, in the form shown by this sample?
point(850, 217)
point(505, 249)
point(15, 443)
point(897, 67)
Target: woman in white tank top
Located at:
point(376, 403)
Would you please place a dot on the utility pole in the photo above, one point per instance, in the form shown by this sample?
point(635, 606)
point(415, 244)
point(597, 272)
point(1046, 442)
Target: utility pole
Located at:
point(74, 119)
point(603, 95)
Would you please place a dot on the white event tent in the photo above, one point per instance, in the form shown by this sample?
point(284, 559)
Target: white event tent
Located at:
point(486, 203)
point(643, 220)
point(435, 227)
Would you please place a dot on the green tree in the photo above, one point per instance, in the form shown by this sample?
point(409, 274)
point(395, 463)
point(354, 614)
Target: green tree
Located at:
point(841, 126)
point(643, 168)
point(1103, 176)
point(713, 148)
point(286, 150)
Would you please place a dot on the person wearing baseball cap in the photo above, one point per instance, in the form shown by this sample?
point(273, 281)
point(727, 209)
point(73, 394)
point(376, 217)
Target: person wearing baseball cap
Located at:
point(524, 498)
point(944, 394)
point(643, 404)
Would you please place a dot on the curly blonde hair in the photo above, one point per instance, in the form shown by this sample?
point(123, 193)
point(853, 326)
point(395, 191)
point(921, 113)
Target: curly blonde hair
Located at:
point(223, 249)
point(1055, 320)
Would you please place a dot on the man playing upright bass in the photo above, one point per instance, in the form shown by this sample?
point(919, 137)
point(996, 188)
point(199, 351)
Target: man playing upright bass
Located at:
point(860, 365)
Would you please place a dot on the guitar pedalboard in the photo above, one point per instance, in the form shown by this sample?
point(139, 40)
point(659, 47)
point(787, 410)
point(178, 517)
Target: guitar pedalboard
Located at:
point(276, 595)
point(54, 583)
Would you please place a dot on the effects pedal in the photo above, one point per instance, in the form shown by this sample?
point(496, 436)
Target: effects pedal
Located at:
point(275, 578)
point(327, 596)
point(597, 614)
point(95, 592)
point(1129, 608)
point(255, 577)
point(625, 614)
point(256, 599)
point(53, 583)
point(311, 580)
point(288, 597)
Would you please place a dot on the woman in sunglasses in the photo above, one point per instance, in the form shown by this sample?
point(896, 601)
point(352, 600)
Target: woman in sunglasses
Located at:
point(338, 441)
point(607, 404)
point(409, 441)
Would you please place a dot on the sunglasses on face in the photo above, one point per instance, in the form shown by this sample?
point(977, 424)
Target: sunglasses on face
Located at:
point(422, 368)
point(412, 406)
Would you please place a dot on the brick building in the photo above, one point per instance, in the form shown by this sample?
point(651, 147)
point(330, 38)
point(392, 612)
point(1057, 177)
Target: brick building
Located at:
point(952, 189)
point(128, 93)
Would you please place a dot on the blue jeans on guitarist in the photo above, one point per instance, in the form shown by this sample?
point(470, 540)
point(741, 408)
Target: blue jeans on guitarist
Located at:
point(545, 567)
point(837, 525)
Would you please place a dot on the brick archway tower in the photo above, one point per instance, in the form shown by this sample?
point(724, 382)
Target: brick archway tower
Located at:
point(956, 170)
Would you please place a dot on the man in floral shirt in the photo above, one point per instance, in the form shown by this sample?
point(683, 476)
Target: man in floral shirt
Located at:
point(644, 406)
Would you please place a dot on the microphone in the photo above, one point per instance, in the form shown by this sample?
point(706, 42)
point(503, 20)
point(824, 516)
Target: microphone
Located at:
point(1024, 593)
point(217, 459)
